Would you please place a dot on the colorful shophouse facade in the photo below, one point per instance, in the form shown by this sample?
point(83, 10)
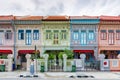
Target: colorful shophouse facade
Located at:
point(109, 36)
point(6, 36)
point(56, 33)
point(84, 32)
point(28, 37)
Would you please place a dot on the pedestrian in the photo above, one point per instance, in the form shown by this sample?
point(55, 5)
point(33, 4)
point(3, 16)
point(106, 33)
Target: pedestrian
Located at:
point(32, 67)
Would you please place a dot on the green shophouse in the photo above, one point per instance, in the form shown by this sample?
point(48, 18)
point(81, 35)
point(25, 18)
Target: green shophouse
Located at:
point(56, 34)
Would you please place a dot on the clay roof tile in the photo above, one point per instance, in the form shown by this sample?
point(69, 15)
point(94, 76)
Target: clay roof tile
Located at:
point(28, 17)
point(55, 18)
point(6, 17)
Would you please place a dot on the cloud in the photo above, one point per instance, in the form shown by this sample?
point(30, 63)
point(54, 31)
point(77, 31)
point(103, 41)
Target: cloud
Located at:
point(59, 7)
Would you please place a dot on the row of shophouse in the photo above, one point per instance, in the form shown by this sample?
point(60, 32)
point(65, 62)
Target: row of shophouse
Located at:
point(90, 35)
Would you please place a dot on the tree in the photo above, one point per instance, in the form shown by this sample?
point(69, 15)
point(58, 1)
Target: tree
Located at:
point(60, 55)
point(51, 56)
point(69, 53)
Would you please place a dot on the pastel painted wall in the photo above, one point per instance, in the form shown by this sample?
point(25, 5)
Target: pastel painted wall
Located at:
point(84, 34)
point(106, 43)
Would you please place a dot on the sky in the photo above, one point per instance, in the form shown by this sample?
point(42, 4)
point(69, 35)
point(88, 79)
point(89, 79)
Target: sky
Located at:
point(60, 7)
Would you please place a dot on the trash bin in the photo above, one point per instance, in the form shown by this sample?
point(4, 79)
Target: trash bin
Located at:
point(73, 68)
point(2, 68)
point(42, 69)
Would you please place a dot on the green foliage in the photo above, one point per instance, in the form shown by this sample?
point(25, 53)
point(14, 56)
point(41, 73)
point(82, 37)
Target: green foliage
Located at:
point(51, 56)
point(60, 55)
point(3, 57)
point(33, 56)
point(69, 53)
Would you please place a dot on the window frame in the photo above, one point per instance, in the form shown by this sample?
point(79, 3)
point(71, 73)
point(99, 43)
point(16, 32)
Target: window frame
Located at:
point(48, 35)
point(83, 39)
point(104, 34)
point(20, 32)
point(28, 37)
point(63, 35)
point(75, 33)
point(92, 33)
point(55, 39)
point(117, 34)
point(35, 34)
point(111, 37)
point(8, 35)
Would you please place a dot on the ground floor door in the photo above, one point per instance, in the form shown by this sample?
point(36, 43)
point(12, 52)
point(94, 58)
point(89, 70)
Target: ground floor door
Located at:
point(23, 61)
point(90, 64)
point(55, 63)
point(89, 54)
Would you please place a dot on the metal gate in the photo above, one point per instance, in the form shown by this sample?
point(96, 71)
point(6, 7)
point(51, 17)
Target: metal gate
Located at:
point(92, 66)
point(55, 65)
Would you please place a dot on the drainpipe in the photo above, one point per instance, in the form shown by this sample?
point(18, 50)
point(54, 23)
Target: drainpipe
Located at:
point(14, 42)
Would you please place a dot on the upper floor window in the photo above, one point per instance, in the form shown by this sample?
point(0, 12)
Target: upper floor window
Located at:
point(21, 34)
point(83, 39)
point(48, 34)
point(75, 35)
point(63, 34)
point(103, 34)
point(1, 37)
point(36, 34)
point(8, 34)
point(111, 37)
point(28, 38)
point(91, 35)
point(56, 37)
point(118, 34)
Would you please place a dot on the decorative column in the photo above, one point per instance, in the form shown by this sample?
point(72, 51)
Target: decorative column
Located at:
point(101, 58)
point(64, 62)
point(10, 62)
point(46, 61)
point(28, 56)
point(83, 56)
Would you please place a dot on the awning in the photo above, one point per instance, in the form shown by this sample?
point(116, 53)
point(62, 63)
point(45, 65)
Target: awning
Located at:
point(84, 51)
point(5, 51)
point(27, 51)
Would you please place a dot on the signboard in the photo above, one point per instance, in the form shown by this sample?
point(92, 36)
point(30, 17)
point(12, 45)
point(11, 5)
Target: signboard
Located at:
point(105, 63)
point(115, 63)
point(78, 63)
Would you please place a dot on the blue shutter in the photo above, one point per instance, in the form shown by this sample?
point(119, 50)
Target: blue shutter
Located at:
point(28, 37)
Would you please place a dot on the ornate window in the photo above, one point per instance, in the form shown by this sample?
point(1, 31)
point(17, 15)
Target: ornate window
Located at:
point(48, 34)
point(55, 36)
point(111, 37)
point(118, 34)
point(1, 37)
point(63, 35)
point(36, 34)
point(21, 34)
point(75, 34)
point(28, 37)
point(83, 39)
point(103, 34)
point(8, 35)
point(91, 35)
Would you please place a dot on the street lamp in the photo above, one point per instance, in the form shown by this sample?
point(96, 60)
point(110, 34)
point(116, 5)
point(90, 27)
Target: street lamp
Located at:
point(36, 52)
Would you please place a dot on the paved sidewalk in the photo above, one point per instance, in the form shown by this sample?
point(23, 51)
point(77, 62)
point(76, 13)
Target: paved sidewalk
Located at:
point(64, 75)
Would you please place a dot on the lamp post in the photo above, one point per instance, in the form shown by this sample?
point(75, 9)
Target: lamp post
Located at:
point(36, 57)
